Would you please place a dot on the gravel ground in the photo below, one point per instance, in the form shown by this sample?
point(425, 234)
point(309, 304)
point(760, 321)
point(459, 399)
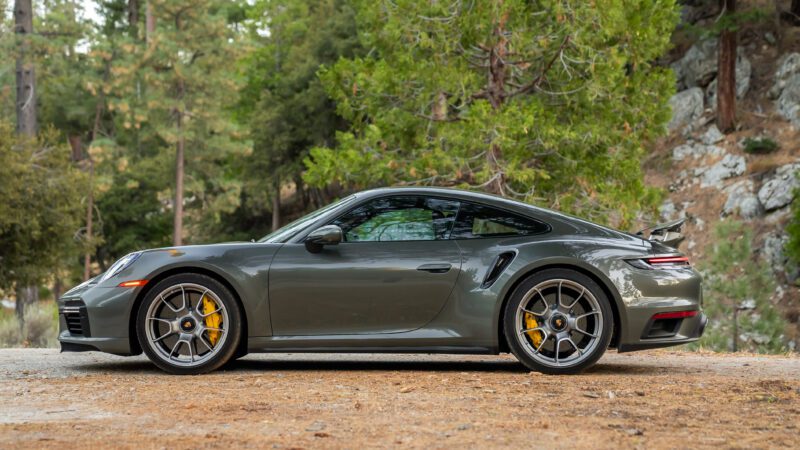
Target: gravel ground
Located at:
point(658, 399)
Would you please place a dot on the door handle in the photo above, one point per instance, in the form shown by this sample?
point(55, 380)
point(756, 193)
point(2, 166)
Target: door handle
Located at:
point(435, 268)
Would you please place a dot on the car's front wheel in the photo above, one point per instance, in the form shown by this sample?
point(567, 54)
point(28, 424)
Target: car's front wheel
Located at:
point(558, 321)
point(189, 324)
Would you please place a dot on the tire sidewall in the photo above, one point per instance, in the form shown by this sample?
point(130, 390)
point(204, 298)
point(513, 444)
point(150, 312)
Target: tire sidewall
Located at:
point(234, 316)
point(509, 317)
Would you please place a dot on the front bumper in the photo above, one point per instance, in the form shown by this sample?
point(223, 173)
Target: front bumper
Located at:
point(96, 319)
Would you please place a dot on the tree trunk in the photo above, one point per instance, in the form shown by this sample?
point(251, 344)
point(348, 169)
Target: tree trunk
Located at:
point(133, 17)
point(87, 257)
point(794, 12)
point(26, 79)
point(496, 93)
point(177, 230)
point(149, 22)
point(726, 74)
point(276, 207)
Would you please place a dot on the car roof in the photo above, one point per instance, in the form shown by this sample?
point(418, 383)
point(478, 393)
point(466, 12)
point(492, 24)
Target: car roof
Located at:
point(447, 192)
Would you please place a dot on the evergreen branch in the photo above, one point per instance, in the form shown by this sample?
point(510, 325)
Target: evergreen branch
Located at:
point(538, 80)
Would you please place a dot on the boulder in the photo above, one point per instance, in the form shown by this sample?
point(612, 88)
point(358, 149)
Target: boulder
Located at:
point(695, 150)
point(698, 65)
point(778, 190)
point(730, 166)
point(772, 251)
point(787, 68)
point(687, 106)
point(743, 71)
point(741, 200)
point(712, 135)
point(788, 103)
point(786, 88)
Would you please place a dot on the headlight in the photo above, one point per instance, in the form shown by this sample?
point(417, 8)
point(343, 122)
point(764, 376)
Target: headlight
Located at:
point(121, 265)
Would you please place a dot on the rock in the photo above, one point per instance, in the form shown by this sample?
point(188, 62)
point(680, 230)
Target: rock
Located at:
point(770, 38)
point(687, 106)
point(788, 103)
point(743, 71)
point(712, 135)
point(772, 251)
point(730, 166)
point(741, 200)
point(778, 190)
point(787, 68)
point(667, 210)
point(695, 150)
point(698, 66)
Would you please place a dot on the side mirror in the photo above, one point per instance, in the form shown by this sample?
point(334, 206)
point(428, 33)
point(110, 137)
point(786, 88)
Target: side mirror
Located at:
point(327, 235)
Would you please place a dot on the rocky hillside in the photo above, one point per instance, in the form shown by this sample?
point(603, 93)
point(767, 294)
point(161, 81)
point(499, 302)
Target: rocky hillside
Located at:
point(749, 174)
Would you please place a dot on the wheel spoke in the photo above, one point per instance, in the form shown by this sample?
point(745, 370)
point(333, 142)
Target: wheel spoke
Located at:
point(183, 297)
point(174, 348)
point(212, 312)
point(583, 291)
point(203, 340)
point(541, 344)
point(558, 350)
point(585, 332)
point(531, 312)
point(528, 330)
point(221, 330)
point(558, 299)
point(592, 313)
point(191, 353)
point(580, 352)
point(170, 333)
point(169, 305)
point(160, 320)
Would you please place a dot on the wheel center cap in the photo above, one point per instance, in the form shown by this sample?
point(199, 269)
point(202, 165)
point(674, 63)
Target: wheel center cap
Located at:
point(188, 324)
point(558, 322)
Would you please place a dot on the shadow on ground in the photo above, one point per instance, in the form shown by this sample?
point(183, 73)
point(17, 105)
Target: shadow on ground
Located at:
point(266, 365)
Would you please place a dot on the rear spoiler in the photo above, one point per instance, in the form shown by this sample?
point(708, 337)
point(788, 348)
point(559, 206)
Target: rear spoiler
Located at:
point(668, 233)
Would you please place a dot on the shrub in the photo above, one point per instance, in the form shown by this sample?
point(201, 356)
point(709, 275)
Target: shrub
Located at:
point(760, 146)
point(735, 277)
point(40, 330)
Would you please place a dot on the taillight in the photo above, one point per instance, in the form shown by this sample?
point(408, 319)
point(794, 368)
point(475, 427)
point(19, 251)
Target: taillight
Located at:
point(660, 262)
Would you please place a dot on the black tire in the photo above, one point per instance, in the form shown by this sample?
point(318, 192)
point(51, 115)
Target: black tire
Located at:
point(233, 329)
point(516, 337)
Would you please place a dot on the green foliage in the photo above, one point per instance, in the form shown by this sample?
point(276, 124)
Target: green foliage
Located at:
point(793, 230)
point(760, 145)
point(40, 329)
point(734, 276)
point(40, 206)
point(283, 102)
point(564, 127)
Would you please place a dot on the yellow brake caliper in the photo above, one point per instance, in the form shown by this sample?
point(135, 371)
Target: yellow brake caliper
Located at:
point(536, 336)
point(213, 319)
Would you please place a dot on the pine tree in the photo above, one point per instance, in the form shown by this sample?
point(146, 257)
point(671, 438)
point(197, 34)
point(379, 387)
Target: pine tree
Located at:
point(549, 102)
point(179, 85)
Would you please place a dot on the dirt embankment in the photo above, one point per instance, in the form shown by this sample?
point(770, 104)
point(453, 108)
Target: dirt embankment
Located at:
point(650, 400)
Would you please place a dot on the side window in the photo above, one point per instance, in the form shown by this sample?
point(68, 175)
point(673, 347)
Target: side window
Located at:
point(477, 221)
point(401, 218)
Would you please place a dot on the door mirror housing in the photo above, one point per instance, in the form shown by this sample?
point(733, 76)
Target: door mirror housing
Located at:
point(327, 235)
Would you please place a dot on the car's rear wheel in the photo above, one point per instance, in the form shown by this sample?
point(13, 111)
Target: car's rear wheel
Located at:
point(189, 324)
point(558, 321)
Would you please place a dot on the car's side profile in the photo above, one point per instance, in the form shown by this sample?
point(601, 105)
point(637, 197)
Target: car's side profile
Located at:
point(396, 270)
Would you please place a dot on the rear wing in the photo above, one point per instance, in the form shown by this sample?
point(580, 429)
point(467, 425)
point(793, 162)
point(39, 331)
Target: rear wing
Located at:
point(668, 233)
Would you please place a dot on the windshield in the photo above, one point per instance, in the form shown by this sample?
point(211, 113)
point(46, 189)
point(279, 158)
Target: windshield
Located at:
point(285, 232)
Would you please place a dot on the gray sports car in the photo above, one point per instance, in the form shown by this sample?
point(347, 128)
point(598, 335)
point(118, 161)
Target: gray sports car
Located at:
point(398, 270)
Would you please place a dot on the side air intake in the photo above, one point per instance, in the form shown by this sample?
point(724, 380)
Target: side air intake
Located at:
point(497, 267)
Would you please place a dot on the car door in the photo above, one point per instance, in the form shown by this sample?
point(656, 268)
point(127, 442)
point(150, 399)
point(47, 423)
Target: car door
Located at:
point(393, 272)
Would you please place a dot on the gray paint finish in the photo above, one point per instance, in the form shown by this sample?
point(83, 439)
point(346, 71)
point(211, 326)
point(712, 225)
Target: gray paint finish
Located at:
point(369, 296)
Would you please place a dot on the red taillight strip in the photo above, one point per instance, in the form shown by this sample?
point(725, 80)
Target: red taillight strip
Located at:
point(668, 260)
point(133, 283)
point(675, 315)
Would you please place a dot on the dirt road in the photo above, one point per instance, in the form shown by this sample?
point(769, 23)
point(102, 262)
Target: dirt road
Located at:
point(652, 399)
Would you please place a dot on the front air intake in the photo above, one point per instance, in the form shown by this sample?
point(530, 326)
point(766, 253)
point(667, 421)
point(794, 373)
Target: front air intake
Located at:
point(76, 318)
